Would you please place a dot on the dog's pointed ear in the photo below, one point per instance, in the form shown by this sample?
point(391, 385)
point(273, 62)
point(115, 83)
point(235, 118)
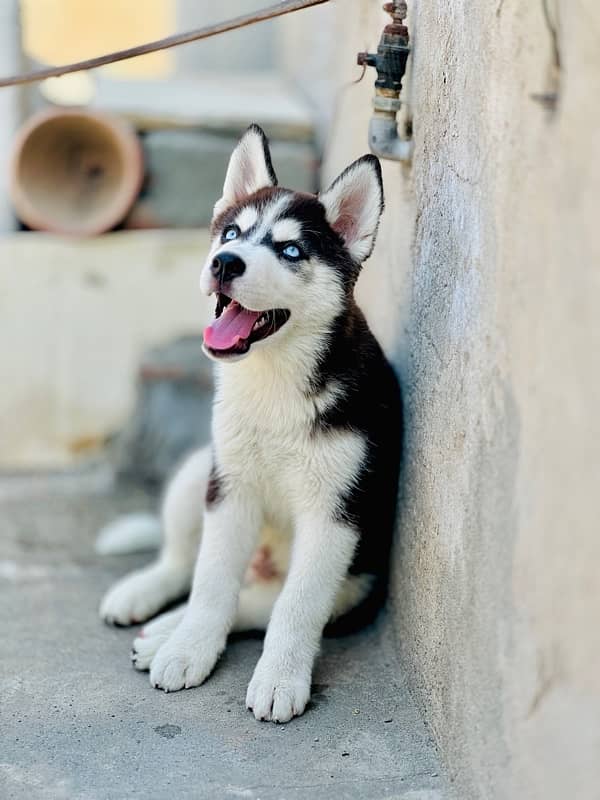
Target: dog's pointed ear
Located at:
point(353, 205)
point(249, 169)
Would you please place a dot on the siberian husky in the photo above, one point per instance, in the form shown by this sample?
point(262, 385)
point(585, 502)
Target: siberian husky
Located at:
point(288, 514)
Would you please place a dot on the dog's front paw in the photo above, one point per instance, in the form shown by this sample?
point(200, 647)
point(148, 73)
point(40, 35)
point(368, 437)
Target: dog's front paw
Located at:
point(152, 636)
point(277, 692)
point(186, 659)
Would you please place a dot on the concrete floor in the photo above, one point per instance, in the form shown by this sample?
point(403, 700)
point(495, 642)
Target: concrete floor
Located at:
point(78, 722)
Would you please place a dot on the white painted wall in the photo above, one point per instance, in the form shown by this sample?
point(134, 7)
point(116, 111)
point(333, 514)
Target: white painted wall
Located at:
point(74, 326)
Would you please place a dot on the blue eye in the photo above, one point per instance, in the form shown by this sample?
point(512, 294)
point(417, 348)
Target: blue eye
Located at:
point(291, 251)
point(230, 233)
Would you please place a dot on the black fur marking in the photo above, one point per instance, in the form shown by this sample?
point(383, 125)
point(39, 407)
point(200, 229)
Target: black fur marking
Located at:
point(370, 405)
point(215, 491)
point(317, 238)
point(254, 128)
point(259, 200)
point(293, 266)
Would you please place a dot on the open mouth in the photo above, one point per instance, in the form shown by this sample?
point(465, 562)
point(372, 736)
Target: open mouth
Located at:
point(236, 328)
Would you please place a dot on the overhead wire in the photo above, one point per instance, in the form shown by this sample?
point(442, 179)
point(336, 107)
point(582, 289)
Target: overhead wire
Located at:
point(270, 12)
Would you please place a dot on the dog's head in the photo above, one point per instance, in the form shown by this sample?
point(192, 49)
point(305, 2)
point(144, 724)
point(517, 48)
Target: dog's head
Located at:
point(284, 263)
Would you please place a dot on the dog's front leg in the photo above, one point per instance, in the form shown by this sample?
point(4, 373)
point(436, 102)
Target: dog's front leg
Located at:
point(322, 551)
point(231, 531)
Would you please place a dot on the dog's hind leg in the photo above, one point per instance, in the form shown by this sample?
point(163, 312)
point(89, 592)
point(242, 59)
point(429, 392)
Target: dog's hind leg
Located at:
point(256, 604)
point(139, 596)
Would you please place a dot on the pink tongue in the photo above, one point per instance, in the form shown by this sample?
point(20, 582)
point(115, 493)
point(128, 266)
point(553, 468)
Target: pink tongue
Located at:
point(234, 324)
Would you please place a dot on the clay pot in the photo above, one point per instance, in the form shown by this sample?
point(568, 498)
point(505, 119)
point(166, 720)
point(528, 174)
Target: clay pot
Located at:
point(75, 171)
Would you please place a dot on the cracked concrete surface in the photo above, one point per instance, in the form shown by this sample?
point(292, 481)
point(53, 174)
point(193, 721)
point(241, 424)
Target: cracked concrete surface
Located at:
point(79, 723)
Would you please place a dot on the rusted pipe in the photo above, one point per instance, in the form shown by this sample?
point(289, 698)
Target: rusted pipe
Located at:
point(390, 63)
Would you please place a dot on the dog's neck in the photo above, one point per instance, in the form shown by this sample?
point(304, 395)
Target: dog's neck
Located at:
point(298, 365)
point(289, 365)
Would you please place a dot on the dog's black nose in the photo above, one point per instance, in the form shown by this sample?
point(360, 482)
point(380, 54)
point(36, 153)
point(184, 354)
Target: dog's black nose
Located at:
point(227, 266)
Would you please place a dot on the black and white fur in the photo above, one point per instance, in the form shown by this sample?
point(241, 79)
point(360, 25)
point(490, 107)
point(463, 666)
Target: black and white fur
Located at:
point(292, 505)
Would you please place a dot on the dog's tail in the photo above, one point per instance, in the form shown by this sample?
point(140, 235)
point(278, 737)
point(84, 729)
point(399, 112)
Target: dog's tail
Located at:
point(133, 533)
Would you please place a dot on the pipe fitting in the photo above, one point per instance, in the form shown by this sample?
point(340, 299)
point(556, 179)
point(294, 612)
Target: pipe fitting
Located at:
point(385, 141)
point(390, 62)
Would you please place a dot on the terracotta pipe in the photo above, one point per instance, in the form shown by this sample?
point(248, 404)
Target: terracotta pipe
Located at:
point(75, 171)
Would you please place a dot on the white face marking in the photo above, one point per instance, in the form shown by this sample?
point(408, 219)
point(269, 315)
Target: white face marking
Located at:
point(311, 292)
point(268, 218)
point(285, 230)
point(246, 218)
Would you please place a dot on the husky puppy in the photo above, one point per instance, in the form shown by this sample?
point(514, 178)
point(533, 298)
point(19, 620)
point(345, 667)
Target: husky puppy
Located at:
point(288, 515)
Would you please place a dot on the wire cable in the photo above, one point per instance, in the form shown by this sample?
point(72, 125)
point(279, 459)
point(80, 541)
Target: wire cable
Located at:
point(270, 12)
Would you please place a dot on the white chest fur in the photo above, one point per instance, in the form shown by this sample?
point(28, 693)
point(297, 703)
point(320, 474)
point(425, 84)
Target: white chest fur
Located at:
point(265, 435)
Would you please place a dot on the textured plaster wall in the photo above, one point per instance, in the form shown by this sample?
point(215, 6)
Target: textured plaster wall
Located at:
point(75, 326)
point(485, 289)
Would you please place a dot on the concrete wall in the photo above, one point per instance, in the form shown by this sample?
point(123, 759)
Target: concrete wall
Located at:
point(485, 288)
point(76, 324)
